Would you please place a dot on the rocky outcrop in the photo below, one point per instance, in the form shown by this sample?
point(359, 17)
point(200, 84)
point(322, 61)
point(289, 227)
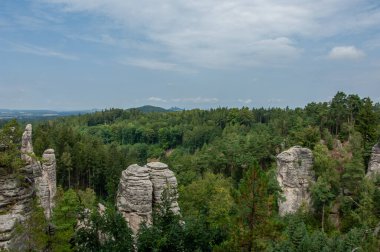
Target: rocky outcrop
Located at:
point(140, 190)
point(46, 182)
point(162, 178)
point(26, 145)
point(374, 162)
point(16, 196)
point(294, 175)
point(134, 196)
point(17, 190)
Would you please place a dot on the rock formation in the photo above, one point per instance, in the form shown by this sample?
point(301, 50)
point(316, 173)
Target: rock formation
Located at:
point(44, 174)
point(162, 178)
point(46, 182)
point(294, 175)
point(140, 190)
point(134, 196)
point(16, 197)
point(374, 162)
point(26, 145)
point(17, 191)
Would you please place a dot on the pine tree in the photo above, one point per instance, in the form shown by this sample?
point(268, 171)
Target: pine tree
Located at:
point(254, 205)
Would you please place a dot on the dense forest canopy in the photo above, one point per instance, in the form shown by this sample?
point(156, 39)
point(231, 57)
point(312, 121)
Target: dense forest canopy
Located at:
point(224, 161)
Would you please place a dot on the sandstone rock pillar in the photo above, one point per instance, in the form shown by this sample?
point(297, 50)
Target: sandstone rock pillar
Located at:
point(294, 175)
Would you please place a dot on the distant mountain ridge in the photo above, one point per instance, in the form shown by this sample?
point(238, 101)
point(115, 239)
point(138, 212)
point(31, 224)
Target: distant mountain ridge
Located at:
point(36, 113)
point(150, 108)
point(6, 114)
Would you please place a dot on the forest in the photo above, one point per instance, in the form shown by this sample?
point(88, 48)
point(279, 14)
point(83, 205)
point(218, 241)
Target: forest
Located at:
point(225, 162)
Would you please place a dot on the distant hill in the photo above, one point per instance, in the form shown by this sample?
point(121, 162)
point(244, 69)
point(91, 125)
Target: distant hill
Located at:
point(26, 114)
point(150, 108)
point(37, 114)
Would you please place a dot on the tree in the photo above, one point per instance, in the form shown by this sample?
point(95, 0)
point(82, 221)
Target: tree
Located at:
point(322, 196)
point(366, 125)
point(64, 219)
point(338, 111)
point(103, 231)
point(10, 141)
point(166, 234)
point(254, 206)
point(206, 206)
point(67, 164)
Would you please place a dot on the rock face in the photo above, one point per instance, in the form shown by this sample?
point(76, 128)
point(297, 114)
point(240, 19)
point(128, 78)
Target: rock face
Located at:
point(294, 175)
point(16, 197)
point(46, 182)
point(374, 162)
point(26, 144)
point(162, 178)
point(17, 191)
point(140, 190)
point(134, 196)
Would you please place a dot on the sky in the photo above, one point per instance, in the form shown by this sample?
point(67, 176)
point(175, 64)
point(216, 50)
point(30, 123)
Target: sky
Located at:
point(86, 54)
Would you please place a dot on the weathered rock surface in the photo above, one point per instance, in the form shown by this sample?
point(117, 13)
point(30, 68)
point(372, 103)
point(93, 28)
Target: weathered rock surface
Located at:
point(140, 190)
point(162, 178)
point(374, 162)
point(134, 196)
point(294, 175)
point(17, 191)
point(26, 144)
point(46, 184)
point(16, 196)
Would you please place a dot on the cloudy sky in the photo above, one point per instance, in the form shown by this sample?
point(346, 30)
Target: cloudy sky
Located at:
point(83, 54)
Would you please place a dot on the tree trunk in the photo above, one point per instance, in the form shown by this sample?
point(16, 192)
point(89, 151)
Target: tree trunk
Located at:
point(69, 180)
point(323, 217)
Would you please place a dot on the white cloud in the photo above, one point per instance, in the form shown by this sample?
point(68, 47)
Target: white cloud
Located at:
point(151, 64)
point(345, 52)
point(41, 51)
point(197, 100)
point(154, 64)
point(156, 99)
point(245, 101)
point(229, 33)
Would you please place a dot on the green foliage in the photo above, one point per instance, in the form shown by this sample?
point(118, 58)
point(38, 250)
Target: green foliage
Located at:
point(103, 232)
point(10, 143)
point(166, 233)
point(31, 235)
point(211, 152)
point(255, 207)
point(206, 206)
point(64, 219)
point(87, 198)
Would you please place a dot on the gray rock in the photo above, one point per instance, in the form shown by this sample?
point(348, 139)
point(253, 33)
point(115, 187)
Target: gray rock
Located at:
point(16, 196)
point(18, 191)
point(140, 190)
point(134, 196)
point(46, 182)
point(162, 178)
point(374, 162)
point(26, 144)
point(295, 175)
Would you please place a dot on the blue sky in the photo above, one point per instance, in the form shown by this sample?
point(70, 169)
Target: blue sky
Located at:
point(83, 54)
